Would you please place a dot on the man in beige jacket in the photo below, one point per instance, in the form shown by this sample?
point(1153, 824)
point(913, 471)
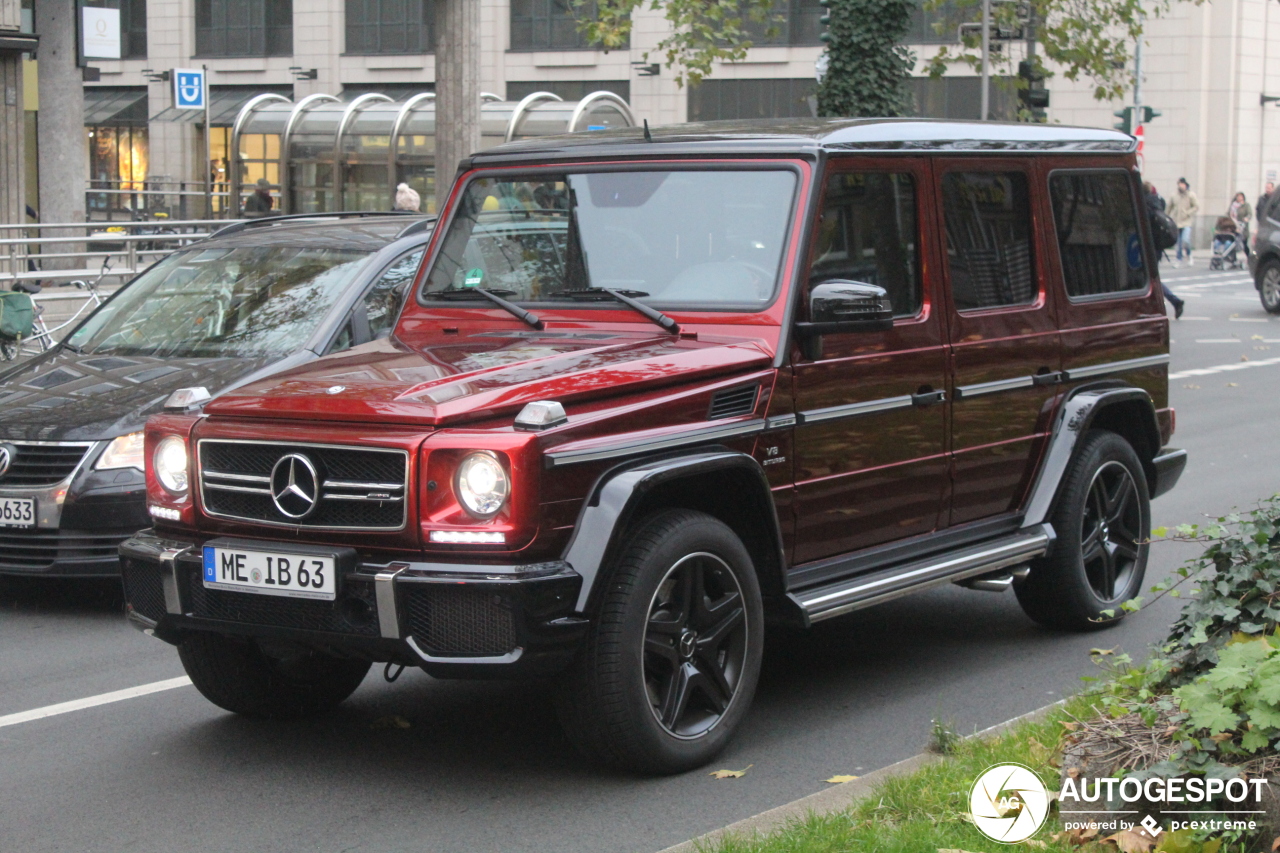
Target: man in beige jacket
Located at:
point(1183, 208)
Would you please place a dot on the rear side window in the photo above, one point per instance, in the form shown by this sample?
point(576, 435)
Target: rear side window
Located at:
point(988, 221)
point(868, 234)
point(1097, 229)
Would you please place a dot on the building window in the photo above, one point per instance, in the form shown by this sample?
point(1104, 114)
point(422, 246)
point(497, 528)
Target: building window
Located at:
point(800, 24)
point(785, 97)
point(569, 90)
point(961, 97)
point(938, 26)
point(133, 25)
point(549, 25)
point(244, 27)
point(390, 26)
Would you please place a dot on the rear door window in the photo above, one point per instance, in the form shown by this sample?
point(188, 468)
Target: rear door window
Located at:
point(1096, 224)
point(988, 220)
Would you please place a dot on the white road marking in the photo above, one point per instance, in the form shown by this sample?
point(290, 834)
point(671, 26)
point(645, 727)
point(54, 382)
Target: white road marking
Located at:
point(1247, 320)
point(1224, 368)
point(1219, 341)
point(92, 701)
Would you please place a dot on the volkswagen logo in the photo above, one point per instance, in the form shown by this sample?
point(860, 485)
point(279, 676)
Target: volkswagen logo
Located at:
point(295, 486)
point(6, 458)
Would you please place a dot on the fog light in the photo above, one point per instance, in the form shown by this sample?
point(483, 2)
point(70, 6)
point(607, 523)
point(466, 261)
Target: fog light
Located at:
point(468, 537)
point(167, 513)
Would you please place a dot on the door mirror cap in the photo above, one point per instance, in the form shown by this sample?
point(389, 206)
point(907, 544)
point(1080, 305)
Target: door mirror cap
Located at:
point(839, 306)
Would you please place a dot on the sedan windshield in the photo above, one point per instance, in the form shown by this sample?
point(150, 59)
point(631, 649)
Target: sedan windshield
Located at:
point(249, 302)
point(686, 239)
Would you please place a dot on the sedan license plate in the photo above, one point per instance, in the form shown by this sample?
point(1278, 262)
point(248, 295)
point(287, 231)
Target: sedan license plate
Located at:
point(266, 573)
point(17, 512)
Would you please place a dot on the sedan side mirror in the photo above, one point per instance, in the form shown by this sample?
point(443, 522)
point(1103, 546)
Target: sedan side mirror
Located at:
point(839, 307)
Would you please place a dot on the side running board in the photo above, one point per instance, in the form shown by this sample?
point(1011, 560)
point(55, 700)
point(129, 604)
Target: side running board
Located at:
point(849, 594)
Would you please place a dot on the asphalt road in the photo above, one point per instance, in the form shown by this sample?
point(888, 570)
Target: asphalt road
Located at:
point(484, 767)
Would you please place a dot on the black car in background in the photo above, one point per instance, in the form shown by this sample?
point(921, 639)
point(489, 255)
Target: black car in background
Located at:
point(253, 299)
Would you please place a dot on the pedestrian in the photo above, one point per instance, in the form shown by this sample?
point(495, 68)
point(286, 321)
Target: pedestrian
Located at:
point(260, 203)
point(1261, 206)
point(407, 198)
point(1241, 214)
point(1156, 204)
point(1183, 210)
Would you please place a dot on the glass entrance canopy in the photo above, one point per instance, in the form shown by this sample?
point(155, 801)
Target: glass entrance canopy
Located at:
point(336, 155)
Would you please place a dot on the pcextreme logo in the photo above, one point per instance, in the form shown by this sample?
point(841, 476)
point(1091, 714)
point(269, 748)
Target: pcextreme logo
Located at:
point(1008, 803)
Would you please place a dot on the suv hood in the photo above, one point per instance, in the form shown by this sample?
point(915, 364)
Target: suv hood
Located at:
point(468, 376)
point(65, 396)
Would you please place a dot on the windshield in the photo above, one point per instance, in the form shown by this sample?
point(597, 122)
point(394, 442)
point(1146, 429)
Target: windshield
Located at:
point(250, 302)
point(693, 240)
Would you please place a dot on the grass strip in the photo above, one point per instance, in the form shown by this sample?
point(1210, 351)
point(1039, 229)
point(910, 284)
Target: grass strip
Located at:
point(927, 810)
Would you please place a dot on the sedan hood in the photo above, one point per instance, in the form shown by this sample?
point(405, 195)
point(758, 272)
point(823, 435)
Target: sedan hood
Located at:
point(64, 396)
point(470, 376)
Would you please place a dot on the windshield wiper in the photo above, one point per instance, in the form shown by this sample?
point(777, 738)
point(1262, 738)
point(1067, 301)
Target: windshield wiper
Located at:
point(492, 295)
point(626, 298)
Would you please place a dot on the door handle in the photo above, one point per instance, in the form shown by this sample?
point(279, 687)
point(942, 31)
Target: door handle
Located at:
point(927, 397)
point(1049, 377)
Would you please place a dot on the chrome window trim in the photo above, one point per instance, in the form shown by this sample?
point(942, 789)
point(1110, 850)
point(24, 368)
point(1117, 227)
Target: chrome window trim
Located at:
point(200, 476)
point(1073, 373)
point(852, 410)
point(630, 447)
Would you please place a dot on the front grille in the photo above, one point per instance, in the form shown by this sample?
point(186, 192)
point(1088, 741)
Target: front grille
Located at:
point(41, 464)
point(35, 550)
point(451, 621)
point(358, 488)
point(355, 611)
point(142, 588)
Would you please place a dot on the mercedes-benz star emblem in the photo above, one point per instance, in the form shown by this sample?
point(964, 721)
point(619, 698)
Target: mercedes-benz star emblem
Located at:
point(6, 458)
point(295, 486)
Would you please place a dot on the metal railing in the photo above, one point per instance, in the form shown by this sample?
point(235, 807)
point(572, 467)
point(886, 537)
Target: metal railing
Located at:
point(118, 200)
point(79, 248)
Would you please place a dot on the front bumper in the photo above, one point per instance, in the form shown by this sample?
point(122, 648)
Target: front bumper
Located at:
point(454, 621)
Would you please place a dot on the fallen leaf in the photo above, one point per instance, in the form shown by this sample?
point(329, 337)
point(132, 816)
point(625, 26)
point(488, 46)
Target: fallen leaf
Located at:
point(1039, 752)
point(840, 780)
point(1256, 338)
point(731, 774)
point(1073, 772)
point(1035, 842)
point(1103, 651)
point(395, 721)
point(1069, 725)
point(1233, 384)
point(1262, 348)
point(1132, 841)
point(1275, 845)
point(1222, 737)
point(1244, 358)
point(1192, 387)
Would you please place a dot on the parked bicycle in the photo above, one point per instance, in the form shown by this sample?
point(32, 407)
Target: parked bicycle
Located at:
point(42, 338)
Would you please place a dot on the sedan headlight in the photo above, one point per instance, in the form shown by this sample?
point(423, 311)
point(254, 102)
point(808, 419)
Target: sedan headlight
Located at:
point(123, 452)
point(170, 461)
point(481, 484)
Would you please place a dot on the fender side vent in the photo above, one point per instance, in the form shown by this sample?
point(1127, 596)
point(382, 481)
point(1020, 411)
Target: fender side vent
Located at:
point(733, 401)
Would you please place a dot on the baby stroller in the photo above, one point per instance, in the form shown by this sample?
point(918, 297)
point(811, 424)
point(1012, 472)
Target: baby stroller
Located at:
point(1227, 247)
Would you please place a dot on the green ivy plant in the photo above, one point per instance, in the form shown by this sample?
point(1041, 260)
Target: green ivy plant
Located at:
point(868, 67)
point(1237, 702)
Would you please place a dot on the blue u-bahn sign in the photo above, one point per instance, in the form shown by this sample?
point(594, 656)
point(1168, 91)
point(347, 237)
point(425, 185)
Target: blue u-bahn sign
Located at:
point(188, 88)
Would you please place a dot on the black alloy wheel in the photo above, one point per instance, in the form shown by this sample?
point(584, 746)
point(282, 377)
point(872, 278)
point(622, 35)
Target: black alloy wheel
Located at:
point(1102, 516)
point(672, 657)
point(695, 645)
point(1269, 286)
point(1110, 530)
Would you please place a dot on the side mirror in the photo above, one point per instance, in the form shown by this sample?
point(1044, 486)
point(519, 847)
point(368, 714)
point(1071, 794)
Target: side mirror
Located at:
point(839, 307)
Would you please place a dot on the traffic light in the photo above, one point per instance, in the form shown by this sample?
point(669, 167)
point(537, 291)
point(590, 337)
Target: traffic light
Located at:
point(1147, 114)
point(825, 20)
point(1126, 123)
point(1033, 94)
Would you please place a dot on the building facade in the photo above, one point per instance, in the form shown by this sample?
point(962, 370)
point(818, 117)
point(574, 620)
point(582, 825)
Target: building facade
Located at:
point(1206, 68)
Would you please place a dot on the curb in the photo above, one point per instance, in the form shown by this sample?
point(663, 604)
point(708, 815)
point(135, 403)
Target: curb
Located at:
point(839, 797)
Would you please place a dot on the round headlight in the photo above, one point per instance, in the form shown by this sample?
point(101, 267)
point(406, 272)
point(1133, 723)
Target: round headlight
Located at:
point(170, 461)
point(482, 484)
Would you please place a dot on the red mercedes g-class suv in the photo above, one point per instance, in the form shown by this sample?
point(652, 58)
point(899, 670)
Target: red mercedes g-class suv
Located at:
point(652, 391)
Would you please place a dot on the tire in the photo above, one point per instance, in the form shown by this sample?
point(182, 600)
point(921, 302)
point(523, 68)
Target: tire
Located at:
point(621, 703)
point(1103, 521)
point(235, 674)
point(1269, 286)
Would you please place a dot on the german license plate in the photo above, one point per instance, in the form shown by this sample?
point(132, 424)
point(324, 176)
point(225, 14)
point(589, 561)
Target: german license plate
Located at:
point(270, 573)
point(17, 512)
